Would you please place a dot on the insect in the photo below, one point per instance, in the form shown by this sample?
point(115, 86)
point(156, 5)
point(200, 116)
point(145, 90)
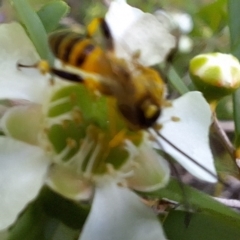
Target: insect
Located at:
point(139, 91)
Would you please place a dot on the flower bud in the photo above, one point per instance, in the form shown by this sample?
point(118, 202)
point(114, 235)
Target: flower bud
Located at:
point(215, 74)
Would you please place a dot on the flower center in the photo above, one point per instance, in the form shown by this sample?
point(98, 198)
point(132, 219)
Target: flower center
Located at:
point(86, 132)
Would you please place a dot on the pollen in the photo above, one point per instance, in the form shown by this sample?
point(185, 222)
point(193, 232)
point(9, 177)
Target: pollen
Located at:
point(175, 119)
point(73, 98)
point(167, 103)
point(117, 139)
point(44, 67)
point(77, 116)
point(71, 143)
point(48, 148)
point(158, 126)
point(65, 124)
point(46, 130)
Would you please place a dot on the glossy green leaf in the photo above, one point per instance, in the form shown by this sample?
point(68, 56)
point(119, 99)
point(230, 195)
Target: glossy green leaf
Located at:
point(180, 225)
point(51, 14)
point(185, 194)
point(34, 27)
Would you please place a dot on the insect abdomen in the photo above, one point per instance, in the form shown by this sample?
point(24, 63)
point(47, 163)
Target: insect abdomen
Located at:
point(78, 51)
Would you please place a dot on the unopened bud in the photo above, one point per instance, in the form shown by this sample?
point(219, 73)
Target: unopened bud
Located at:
point(215, 74)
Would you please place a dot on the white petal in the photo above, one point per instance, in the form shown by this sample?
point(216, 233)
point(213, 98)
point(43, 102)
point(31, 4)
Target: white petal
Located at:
point(137, 32)
point(22, 173)
point(118, 214)
point(151, 171)
point(190, 133)
point(120, 16)
point(23, 123)
point(15, 47)
point(69, 183)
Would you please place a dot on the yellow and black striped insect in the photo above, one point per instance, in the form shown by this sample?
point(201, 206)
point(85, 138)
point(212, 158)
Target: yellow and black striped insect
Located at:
point(139, 91)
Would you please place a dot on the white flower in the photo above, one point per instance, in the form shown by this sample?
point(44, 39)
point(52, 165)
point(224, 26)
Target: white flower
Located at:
point(137, 32)
point(44, 143)
point(30, 157)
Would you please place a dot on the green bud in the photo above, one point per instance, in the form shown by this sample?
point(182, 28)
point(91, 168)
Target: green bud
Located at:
point(215, 74)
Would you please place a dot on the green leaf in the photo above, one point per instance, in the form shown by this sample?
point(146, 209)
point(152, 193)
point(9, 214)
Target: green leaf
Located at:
point(30, 225)
point(176, 81)
point(214, 14)
point(234, 24)
point(234, 28)
point(197, 199)
point(66, 211)
point(47, 217)
point(51, 14)
point(180, 225)
point(34, 27)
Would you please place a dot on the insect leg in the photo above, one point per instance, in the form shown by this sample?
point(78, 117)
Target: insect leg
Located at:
point(44, 68)
point(67, 75)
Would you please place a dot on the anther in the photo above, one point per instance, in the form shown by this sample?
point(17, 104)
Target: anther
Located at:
point(71, 143)
point(175, 119)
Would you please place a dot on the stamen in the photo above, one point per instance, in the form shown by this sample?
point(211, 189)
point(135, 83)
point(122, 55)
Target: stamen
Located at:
point(58, 120)
point(117, 174)
point(79, 158)
point(59, 157)
point(57, 102)
point(71, 143)
point(131, 148)
point(77, 116)
point(117, 139)
point(89, 168)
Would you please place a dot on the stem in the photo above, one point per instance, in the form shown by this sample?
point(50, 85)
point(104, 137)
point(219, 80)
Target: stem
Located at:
point(223, 138)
